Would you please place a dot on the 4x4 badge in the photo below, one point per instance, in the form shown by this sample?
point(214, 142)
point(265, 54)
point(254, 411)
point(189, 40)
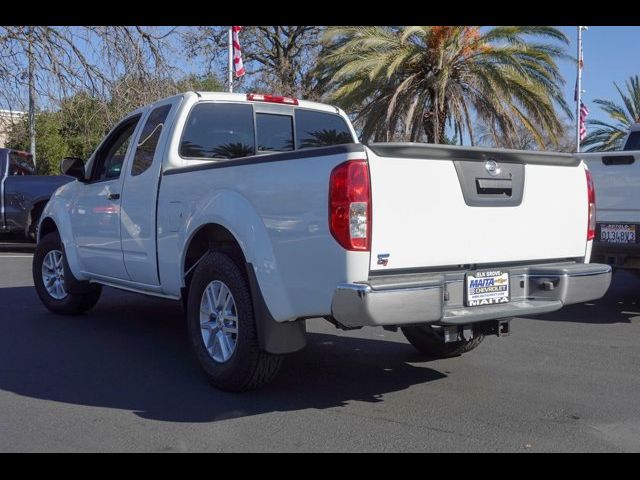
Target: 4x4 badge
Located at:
point(383, 259)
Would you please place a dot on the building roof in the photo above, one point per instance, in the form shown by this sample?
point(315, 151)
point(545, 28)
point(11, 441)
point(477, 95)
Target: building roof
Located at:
point(12, 113)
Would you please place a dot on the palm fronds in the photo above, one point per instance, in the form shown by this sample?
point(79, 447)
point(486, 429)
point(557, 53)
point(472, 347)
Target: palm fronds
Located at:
point(609, 136)
point(411, 83)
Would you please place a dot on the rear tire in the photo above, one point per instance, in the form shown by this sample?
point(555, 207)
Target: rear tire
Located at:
point(222, 327)
point(427, 341)
point(50, 267)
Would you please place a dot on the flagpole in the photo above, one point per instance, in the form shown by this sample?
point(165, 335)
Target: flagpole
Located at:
point(230, 59)
point(579, 89)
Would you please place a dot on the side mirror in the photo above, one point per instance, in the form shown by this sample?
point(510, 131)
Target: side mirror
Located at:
point(73, 166)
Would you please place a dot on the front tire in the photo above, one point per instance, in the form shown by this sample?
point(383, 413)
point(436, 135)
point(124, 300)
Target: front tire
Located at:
point(50, 270)
point(222, 327)
point(426, 340)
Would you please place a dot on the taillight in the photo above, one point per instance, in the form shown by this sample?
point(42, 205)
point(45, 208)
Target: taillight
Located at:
point(350, 205)
point(591, 194)
point(259, 97)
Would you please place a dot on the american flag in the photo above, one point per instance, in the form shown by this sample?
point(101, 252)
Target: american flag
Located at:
point(584, 111)
point(238, 68)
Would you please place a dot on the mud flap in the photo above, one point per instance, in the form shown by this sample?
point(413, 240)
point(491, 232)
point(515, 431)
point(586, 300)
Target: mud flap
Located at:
point(274, 337)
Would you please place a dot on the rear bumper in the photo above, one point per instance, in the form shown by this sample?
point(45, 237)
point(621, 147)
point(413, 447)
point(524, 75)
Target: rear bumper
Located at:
point(438, 298)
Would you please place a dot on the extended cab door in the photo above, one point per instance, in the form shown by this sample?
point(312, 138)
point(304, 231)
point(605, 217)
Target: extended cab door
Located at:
point(95, 214)
point(140, 194)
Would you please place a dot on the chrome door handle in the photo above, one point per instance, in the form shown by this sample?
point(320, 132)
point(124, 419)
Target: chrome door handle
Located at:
point(113, 196)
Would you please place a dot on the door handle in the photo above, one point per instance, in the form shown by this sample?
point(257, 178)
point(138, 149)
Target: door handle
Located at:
point(113, 196)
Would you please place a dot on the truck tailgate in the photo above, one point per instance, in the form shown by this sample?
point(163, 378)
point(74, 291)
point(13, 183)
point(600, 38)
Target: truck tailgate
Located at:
point(443, 206)
point(616, 176)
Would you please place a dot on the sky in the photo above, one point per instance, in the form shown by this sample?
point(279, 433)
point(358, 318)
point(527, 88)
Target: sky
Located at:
point(610, 55)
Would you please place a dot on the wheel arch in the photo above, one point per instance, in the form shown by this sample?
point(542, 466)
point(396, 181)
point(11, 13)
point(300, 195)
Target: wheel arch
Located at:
point(234, 216)
point(55, 218)
point(208, 237)
point(274, 337)
point(47, 226)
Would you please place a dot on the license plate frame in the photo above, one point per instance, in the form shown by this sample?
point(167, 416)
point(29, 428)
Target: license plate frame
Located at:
point(487, 287)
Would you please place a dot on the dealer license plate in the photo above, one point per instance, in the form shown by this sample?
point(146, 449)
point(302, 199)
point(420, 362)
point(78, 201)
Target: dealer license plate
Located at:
point(617, 233)
point(487, 287)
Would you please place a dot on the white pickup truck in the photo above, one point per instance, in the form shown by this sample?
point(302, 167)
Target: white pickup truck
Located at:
point(260, 212)
point(616, 176)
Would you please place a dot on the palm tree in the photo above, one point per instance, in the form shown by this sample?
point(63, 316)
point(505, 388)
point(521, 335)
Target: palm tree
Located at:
point(609, 136)
point(410, 83)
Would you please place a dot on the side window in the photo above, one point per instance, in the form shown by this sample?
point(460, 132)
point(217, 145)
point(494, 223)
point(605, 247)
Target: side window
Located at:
point(20, 164)
point(110, 157)
point(275, 132)
point(146, 148)
point(318, 129)
point(219, 130)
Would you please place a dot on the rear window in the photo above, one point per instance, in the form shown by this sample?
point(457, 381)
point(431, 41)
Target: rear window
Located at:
point(318, 129)
point(20, 164)
point(633, 142)
point(275, 132)
point(226, 131)
point(219, 130)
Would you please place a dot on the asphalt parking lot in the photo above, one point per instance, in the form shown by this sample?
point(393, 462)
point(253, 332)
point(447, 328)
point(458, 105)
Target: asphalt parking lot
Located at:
point(122, 378)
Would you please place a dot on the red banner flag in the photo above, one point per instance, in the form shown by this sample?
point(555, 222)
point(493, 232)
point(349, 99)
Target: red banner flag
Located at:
point(584, 111)
point(238, 68)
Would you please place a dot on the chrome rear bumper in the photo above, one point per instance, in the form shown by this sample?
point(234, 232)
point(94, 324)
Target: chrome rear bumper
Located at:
point(438, 298)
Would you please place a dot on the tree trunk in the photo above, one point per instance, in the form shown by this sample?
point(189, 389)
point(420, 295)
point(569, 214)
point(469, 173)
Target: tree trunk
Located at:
point(442, 119)
point(427, 125)
point(434, 127)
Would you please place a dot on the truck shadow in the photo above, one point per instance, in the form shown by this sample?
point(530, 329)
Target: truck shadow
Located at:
point(621, 304)
point(132, 353)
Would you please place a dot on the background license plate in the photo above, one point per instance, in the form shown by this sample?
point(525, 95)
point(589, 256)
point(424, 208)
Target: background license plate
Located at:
point(617, 233)
point(488, 287)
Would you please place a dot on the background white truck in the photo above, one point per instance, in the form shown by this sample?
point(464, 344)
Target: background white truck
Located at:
point(616, 176)
point(260, 212)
